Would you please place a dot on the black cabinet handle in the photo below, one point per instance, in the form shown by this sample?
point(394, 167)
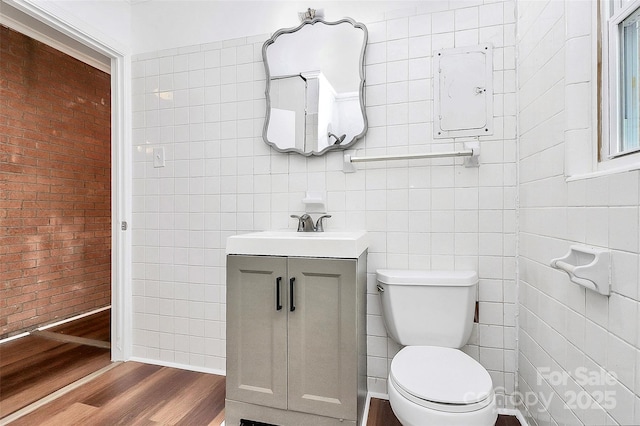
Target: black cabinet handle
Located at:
point(292, 306)
point(278, 301)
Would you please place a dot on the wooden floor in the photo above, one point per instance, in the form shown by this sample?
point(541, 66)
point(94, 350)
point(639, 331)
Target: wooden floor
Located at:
point(130, 393)
point(381, 414)
point(138, 394)
point(34, 366)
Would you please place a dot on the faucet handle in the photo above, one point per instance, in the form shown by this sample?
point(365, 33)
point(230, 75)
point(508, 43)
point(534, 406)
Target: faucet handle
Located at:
point(319, 223)
point(300, 224)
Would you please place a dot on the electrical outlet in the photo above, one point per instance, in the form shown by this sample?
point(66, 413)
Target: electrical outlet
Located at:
point(158, 157)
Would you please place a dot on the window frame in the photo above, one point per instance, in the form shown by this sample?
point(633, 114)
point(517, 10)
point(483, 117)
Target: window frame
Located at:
point(608, 156)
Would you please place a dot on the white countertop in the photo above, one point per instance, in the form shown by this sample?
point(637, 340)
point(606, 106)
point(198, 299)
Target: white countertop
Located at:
point(336, 244)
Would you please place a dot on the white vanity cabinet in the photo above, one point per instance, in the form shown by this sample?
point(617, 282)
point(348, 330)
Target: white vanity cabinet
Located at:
point(296, 340)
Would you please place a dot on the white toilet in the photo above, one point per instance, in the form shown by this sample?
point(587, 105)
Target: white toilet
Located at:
point(431, 381)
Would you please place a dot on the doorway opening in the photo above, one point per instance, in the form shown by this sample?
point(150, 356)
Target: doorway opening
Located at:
point(38, 23)
point(56, 119)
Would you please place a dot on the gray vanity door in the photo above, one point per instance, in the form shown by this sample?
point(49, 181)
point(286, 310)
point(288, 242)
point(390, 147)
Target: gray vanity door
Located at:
point(257, 330)
point(323, 369)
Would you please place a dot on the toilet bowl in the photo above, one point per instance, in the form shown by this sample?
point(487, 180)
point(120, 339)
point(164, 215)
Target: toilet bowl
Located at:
point(431, 381)
point(431, 385)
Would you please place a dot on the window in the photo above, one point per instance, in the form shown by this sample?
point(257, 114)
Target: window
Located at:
point(629, 117)
point(621, 77)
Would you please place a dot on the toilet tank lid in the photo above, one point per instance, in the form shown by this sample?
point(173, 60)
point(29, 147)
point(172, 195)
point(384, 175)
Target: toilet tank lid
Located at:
point(448, 278)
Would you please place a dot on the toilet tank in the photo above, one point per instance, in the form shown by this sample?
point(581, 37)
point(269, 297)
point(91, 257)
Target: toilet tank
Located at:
point(428, 308)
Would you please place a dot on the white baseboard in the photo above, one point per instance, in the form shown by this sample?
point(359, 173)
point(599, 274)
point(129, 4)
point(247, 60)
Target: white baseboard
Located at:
point(64, 321)
point(17, 336)
point(77, 317)
point(379, 395)
point(180, 366)
point(367, 404)
point(365, 415)
point(515, 413)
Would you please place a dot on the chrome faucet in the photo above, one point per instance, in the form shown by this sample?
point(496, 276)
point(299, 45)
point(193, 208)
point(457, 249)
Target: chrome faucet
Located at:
point(305, 223)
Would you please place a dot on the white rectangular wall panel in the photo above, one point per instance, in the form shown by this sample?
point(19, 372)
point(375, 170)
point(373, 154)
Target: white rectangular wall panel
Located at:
point(463, 92)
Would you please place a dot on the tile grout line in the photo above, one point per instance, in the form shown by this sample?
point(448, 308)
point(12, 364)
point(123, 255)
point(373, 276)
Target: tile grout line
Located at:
point(55, 395)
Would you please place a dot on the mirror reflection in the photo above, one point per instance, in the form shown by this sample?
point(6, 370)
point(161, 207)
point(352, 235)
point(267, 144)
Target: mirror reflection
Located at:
point(315, 82)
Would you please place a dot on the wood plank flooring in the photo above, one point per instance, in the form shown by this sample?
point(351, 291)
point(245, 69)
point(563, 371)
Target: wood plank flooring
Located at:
point(96, 326)
point(138, 394)
point(130, 393)
point(34, 366)
point(381, 414)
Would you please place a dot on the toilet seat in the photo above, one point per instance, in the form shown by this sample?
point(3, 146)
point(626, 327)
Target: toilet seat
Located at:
point(443, 379)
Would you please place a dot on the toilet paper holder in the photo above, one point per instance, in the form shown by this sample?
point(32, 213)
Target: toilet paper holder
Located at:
point(587, 266)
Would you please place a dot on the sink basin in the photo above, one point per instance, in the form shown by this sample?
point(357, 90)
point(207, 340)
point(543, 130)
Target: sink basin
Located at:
point(338, 244)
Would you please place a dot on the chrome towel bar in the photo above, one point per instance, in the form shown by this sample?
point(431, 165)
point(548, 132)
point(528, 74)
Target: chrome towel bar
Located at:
point(471, 153)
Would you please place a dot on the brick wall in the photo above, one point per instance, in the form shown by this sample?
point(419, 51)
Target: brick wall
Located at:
point(55, 185)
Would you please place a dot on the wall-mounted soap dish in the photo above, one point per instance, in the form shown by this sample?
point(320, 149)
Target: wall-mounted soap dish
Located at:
point(315, 202)
point(589, 267)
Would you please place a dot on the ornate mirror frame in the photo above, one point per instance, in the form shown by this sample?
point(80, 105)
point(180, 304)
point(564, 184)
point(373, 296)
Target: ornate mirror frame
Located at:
point(337, 139)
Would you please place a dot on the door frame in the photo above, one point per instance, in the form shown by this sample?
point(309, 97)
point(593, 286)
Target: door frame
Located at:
point(121, 161)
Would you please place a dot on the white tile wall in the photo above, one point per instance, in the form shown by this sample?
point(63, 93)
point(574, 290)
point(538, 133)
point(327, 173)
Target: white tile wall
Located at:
point(205, 105)
point(579, 357)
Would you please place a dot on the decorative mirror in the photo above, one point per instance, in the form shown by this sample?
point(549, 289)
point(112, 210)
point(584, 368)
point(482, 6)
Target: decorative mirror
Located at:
point(315, 86)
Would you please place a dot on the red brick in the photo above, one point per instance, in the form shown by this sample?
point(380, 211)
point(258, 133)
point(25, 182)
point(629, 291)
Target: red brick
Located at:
point(54, 184)
point(21, 316)
point(21, 299)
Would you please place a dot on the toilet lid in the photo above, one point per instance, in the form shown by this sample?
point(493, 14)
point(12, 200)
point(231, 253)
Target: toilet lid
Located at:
point(442, 375)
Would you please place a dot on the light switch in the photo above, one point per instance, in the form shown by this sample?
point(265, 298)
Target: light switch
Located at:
point(158, 157)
